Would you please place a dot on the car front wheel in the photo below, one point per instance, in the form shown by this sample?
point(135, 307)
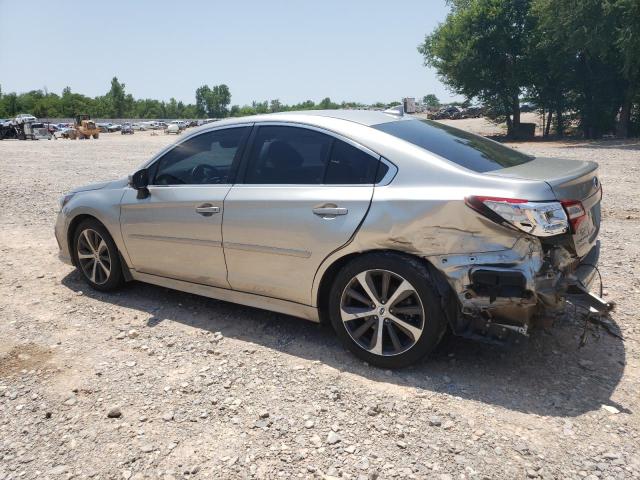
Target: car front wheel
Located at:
point(97, 256)
point(385, 309)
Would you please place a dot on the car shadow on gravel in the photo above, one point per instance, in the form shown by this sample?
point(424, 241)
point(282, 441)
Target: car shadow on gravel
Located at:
point(548, 374)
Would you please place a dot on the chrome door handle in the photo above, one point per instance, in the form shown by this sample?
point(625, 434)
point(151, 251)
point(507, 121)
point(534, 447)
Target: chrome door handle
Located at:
point(206, 209)
point(330, 211)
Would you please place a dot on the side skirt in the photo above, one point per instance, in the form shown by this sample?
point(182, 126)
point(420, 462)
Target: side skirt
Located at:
point(243, 298)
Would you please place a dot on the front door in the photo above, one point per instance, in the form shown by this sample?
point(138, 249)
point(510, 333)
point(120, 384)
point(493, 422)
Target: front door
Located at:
point(176, 231)
point(303, 195)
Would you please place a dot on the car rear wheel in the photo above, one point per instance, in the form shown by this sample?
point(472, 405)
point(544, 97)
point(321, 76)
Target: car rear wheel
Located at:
point(386, 309)
point(97, 256)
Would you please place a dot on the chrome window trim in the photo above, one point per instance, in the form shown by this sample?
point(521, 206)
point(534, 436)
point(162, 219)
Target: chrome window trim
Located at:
point(189, 136)
point(390, 175)
point(191, 185)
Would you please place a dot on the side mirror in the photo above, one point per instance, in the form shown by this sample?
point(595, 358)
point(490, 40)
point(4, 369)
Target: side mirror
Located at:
point(140, 181)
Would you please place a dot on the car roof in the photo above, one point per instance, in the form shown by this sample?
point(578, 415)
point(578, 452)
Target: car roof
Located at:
point(362, 117)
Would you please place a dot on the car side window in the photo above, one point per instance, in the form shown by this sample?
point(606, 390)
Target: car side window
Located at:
point(349, 165)
point(288, 155)
point(205, 159)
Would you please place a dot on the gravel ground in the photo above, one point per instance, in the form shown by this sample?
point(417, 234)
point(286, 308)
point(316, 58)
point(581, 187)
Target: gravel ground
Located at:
point(158, 384)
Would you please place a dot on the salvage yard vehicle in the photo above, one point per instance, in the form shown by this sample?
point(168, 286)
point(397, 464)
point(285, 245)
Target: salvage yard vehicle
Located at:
point(126, 129)
point(64, 132)
point(392, 229)
point(24, 127)
point(85, 128)
point(38, 131)
point(172, 128)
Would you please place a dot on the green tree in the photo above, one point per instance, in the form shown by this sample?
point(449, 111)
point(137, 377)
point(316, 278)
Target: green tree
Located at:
point(275, 106)
point(260, 107)
point(219, 101)
point(10, 104)
point(213, 102)
point(479, 52)
point(627, 41)
point(202, 94)
point(327, 104)
point(431, 101)
point(117, 97)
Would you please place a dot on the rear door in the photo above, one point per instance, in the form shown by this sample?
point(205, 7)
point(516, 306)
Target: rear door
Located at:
point(176, 231)
point(302, 195)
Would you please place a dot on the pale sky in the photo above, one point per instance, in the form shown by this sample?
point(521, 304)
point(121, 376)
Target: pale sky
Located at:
point(354, 50)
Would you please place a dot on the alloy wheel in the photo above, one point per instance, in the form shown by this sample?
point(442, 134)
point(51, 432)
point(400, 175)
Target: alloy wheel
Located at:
point(382, 312)
point(93, 256)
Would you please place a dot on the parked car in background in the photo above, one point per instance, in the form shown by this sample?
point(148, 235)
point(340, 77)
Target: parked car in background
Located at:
point(180, 123)
point(151, 125)
point(39, 131)
point(390, 228)
point(448, 113)
point(472, 112)
point(126, 129)
point(64, 132)
point(114, 127)
point(25, 118)
point(139, 126)
point(172, 128)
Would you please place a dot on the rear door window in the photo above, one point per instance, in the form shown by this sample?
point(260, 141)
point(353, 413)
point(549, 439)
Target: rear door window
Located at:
point(349, 165)
point(463, 148)
point(294, 155)
point(288, 155)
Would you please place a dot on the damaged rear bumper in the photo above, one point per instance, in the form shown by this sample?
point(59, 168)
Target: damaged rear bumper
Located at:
point(505, 292)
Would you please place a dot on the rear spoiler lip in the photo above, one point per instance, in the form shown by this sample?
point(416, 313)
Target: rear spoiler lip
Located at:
point(526, 170)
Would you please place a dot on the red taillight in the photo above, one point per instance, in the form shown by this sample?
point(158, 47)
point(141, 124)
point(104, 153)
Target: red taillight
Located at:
point(576, 213)
point(542, 219)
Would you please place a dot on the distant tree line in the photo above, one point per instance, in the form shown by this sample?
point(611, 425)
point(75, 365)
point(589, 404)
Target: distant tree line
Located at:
point(575, 60)
point(211, 102)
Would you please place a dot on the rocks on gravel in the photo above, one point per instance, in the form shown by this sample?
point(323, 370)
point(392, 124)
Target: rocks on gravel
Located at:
point(333, 438)
point(114, 412)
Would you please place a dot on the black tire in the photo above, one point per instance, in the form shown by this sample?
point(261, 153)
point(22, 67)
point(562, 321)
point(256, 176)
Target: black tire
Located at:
point(432, 320)
point(101, 281)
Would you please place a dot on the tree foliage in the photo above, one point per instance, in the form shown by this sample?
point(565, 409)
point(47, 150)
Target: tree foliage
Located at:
point(567, 56)
point(116, 103)
point(431, 101)
point(211, 102)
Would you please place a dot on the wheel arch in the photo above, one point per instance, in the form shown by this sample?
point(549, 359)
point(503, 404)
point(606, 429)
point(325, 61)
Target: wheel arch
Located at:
point(71, 230)
point(447, 296)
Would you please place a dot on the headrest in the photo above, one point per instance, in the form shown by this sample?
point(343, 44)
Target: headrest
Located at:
point(281, 155)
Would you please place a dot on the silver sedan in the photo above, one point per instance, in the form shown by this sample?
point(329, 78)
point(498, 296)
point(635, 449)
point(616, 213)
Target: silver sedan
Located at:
point(392, 229)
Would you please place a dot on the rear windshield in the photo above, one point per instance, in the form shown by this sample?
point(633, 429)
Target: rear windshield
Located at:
point(466, 149)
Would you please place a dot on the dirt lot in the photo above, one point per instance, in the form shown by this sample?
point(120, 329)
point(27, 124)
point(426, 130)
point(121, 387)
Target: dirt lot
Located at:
point(199, 388)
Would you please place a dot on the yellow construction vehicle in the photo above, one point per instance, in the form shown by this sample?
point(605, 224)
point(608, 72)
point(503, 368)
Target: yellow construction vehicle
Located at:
point(85, 128)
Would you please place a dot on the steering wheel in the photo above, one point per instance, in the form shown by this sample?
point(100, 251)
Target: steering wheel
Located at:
point(204, 174)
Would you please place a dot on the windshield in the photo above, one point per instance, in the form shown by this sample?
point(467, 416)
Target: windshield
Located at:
point(463, 148)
